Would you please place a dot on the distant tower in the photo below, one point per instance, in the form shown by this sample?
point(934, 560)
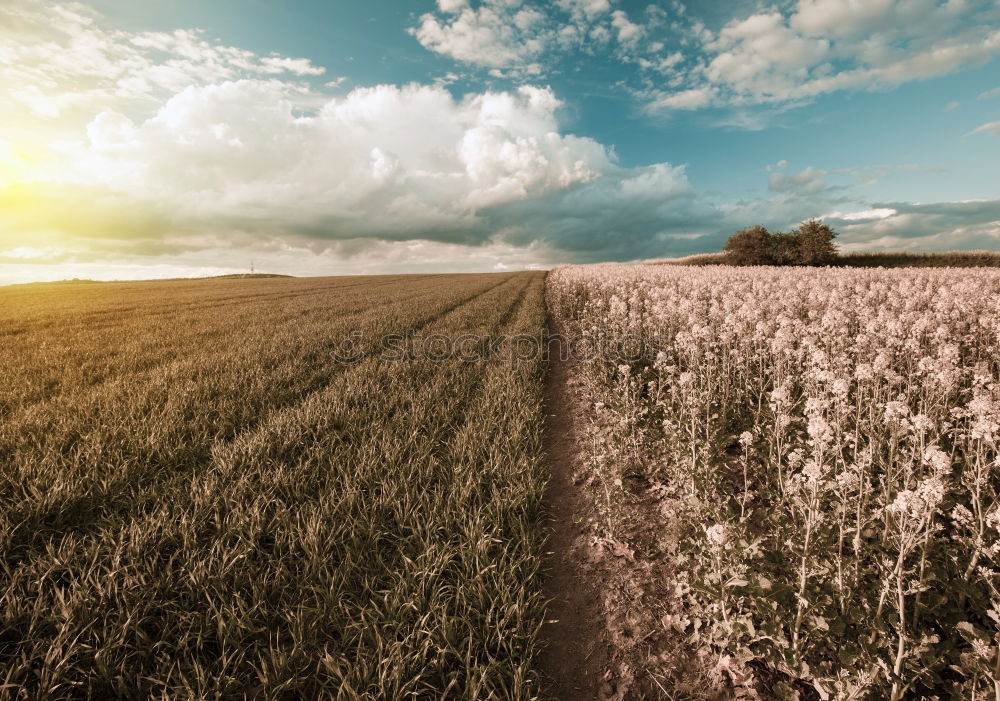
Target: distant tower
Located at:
point(251, 267)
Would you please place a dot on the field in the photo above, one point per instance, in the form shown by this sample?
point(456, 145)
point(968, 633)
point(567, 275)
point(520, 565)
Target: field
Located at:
point(950, 259)
point(769, 483)
point(822, 446)
point(206, 494)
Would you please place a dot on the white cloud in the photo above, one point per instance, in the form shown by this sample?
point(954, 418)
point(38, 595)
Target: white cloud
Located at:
point(511, 37)
point(238, 154)
point(496, 34)
point(58, 57)
point(296, 66)
point(844, 17)
point(863, 215)
point(941, 226)
point(995, 92)
point(407, 173)
point(762, 56)
point(452, 5)
point(171, 145)
point(992, 128)
point(691, 99)
point(587, 8)
point(821, 46)
point(600, 35)
point(782, 56)
point(628, 31)
point(180, 151)
point(807, 181)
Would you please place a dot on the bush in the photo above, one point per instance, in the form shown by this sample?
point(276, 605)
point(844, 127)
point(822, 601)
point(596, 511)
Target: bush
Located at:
point(810, 244)
point(951, 259)
point(754, 245)
point(814, 244)
point(786, 247)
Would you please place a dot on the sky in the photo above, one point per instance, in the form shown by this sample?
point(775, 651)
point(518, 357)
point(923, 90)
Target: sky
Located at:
point(328, 137)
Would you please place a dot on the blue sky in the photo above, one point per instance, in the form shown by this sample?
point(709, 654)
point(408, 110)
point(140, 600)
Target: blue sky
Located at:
point(159, 139)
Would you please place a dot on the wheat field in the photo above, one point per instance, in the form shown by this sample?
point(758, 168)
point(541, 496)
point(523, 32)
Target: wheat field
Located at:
point(335, 487)
point(200, 498)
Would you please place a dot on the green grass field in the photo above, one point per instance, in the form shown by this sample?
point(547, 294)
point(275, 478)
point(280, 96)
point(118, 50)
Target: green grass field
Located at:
point(197, 500)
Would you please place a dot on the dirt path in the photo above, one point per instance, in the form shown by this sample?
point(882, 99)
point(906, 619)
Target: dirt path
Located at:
point(605, 637)
point(576, 650)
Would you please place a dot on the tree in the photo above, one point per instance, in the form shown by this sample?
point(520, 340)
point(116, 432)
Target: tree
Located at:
point(754, 245)
point(814, 244)
point(810, 244)
point(786, 248)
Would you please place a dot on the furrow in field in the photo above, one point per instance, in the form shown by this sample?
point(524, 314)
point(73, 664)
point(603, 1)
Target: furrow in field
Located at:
point(149, 350)
point(30, 521)
point(304, 506)
point(212, 338)
point(496, 478)
point(56, 499)
point(145, 299)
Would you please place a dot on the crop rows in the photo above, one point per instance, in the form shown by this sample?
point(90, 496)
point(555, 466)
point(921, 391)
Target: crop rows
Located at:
point(198, 501)
point(827, 441)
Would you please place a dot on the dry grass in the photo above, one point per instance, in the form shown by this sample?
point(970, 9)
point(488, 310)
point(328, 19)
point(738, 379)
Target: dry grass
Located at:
point(196, 501)
point(951, 259)
point(696, 259)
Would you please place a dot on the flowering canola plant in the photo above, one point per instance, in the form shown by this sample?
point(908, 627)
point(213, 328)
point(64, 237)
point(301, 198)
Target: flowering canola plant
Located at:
point(828, 439)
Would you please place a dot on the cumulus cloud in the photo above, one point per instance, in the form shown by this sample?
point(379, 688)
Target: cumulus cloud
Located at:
point(496, 35)
point(761, 55)
point(625, 215)
point(941, 226)
point(59, 57)
point(512, 37)
point(239, 153)
point(182, 151)
point(784, 55)
point(239, 164)
point(587, 8)
point(820, 46)
point(628, 31)
point(451, 5)
point(178, 147)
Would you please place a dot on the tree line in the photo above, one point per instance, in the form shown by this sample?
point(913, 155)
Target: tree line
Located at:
point(810, 244)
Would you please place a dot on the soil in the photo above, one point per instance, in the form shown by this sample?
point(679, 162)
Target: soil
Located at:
point(575, 640)
point(608, 633)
